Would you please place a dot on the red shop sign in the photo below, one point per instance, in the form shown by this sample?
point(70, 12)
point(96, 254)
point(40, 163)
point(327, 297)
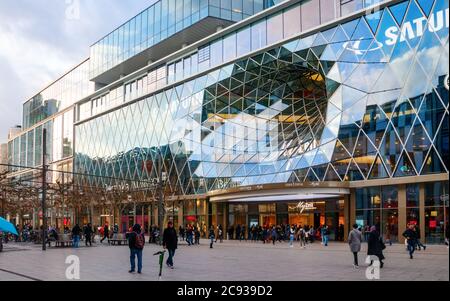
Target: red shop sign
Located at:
point(191, 218)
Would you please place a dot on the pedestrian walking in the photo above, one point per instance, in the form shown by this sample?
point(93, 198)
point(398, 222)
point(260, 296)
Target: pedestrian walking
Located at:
point(136, 242)
point(325, 233)
point(375, 246)
point(197, 236)
point(419, 244)
point(76, 235)
point(411, 239)
point(219, 234)
point(302, 237)
point(274, 235)
point(170, 243)
point(105, 233)
point(291, 237)
point(212, 235)
point(354, 240)
point(88, 231)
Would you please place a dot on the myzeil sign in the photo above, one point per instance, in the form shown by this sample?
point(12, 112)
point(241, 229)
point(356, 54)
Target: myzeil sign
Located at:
point(410, 30)
point(417, 27)
point(303, 206)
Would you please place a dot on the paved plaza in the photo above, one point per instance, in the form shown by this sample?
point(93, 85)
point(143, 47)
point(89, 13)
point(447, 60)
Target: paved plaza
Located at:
point(229, 261)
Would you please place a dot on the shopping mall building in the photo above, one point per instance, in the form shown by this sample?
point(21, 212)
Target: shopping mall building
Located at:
point(258, 112)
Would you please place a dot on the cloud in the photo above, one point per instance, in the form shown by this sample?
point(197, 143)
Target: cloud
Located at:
point(40, 40)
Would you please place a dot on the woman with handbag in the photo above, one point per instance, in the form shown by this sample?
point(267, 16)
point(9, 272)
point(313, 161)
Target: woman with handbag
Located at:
point(375, 246)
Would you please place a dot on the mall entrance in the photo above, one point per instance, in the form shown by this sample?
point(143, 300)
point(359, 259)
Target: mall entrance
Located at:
point(314, 213)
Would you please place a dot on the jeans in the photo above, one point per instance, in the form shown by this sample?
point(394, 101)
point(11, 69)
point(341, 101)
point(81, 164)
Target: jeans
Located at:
point(133, 254)
point(212, 242)
point(76, 241)
point(171, 255)
point(411, 247)
point(325, 240)
point(291, 239)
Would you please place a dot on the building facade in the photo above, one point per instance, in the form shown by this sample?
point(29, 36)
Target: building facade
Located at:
point(259, 113)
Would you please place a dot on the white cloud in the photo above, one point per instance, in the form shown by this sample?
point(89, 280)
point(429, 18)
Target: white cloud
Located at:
point(39, 43)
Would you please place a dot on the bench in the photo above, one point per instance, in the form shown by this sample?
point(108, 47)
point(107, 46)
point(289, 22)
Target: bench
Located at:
point(64, 240)
point(118, 239)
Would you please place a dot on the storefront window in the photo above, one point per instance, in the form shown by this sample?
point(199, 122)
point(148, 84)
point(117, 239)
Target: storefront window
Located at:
point(434, 225)
point(390, 225)
point(412, 216)
point(390, 196)
point(435, 193)
point(368, 198)
point(412, 195)
point(436, 211)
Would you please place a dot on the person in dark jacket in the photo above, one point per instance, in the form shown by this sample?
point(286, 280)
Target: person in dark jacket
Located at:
point(211, 235)
point(170, 242)
point(375, 246)
point(76, 235)
point(88, 231)
point(105, 233)
point(136, 242)
point(411, 238)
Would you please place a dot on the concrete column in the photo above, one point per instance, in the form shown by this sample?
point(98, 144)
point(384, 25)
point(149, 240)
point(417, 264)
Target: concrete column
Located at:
point(401, 210)
point(225, 220)
point(180, 213)
point(422, 212)
point(352, 206)
point(155, 212)
point(348, 223)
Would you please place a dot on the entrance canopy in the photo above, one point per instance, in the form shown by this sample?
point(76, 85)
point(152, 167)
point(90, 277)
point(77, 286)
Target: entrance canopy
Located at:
point(280, 195)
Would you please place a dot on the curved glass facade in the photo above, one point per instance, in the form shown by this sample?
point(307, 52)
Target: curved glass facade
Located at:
point(362, 100)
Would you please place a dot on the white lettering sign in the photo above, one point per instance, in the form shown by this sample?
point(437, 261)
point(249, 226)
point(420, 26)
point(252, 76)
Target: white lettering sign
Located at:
point(417, 27)
point(302, 206)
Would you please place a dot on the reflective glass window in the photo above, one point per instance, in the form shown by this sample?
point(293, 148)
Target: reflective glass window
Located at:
point(259, 35)
point(275, 28)
point(310, 14)
point(292, 22)
point(229, 47)
point(216, 53)
point(244, 41)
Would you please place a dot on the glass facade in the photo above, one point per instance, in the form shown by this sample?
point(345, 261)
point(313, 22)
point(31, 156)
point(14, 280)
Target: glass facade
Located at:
point(378, 206)
point(356, 112)
point(254, 37)
point(268, 103)
point(162, 20)
point(60, 95)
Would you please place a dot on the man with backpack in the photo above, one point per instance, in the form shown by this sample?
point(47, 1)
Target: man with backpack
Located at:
point(136, 241)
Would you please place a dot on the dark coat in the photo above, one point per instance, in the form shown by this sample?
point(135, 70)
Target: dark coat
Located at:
point(76, 230)
point(374, 245)
point(170, 239)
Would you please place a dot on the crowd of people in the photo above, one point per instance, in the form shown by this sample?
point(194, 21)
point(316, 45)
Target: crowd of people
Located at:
point(285, 232)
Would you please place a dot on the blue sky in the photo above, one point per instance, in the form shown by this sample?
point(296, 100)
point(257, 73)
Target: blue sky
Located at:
point(42, 39)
